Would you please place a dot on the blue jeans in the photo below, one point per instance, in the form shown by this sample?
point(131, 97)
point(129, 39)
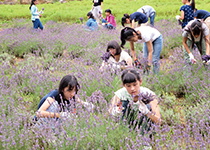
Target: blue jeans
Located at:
point(157, 47)
point(37, 24)
point(152, 19)
point(108, 26)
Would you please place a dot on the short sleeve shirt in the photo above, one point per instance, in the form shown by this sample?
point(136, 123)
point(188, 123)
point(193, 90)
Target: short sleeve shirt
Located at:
point(202, 14)
point(123, 95)
point(140, 17)
point(124, 56)
point(97, 2)
point(148, 33)
point(188, 14)
point(187, 34)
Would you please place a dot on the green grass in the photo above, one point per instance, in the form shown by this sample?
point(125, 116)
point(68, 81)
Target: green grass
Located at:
point(73, 10)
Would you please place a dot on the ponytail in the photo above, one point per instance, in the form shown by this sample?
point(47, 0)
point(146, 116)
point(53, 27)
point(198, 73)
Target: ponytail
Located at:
point(123, 21)
point(126, 34)
point(32, 3)
point(193, 4)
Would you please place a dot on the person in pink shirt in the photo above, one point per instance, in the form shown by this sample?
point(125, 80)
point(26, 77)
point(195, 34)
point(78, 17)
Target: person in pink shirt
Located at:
point(109, 22)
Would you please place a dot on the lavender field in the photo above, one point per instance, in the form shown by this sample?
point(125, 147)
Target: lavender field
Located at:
point(33, 62)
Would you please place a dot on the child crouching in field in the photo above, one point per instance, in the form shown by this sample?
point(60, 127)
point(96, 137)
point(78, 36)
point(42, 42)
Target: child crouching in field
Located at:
point(115, 58)
point(196, 32)
point(92, 25)
point(59, 104)
point(109, 22)
point(136, 104)
point(35, 15)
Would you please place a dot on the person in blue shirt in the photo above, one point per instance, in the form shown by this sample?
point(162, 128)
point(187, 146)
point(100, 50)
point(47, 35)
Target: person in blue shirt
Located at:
point(204, 15)
point(91, 24)
point(134, 17)
point(35, 15)
point(187, 12)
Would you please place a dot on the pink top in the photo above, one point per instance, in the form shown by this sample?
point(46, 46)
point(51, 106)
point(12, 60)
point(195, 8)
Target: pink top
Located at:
point(111, 20)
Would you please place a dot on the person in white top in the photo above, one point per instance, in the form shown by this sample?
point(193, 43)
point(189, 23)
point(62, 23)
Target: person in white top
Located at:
point(153, 43)
point(149, 11)
point(195, 32)
point(132, 99)
point(115, 57)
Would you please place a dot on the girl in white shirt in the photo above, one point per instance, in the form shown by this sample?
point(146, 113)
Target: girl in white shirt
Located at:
point(153, 43)
point(115, 57)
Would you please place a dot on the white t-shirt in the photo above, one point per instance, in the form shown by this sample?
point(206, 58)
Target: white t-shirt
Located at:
point(124, 56)
point(123, 95)
point(187, 34)
point(147, 10)
point(148, 33)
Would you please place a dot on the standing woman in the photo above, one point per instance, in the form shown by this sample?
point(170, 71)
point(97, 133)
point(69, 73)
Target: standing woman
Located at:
point(134, 17)
point(97, 9)
point(187, 12)
point(196, 32)
point(152, 47)
point(149, 11)
point(35, 15)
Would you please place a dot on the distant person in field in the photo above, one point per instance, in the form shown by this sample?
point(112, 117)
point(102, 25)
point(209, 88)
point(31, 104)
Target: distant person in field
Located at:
point(109, 22)
point(60, 103)
point(91, 24)
point(204, 15)
point(134, 17)
point(35, 15)
point(115, 57)
point(187, 12)
point(136, 104)
point(149, 11)
point(195, 32)
point(153, 43)
point(97, 9)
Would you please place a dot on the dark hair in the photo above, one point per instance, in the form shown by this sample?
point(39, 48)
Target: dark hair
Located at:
point(196, 29)
point(130, 76)
point(69, 81)
point(90, 14)
point(114, 45)
point(32, 3)
point(108, 10)
point(192, 4)
point(126, 34)
point(123, 21)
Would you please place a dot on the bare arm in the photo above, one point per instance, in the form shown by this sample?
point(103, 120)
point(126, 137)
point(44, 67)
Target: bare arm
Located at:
point(207, 44)
point(150, 50)
point(101, 5)
point(154, 115)
point(133, 53)
point(185, 45)
point(182, 15)
point(42, 110)
point(129, 62)
point(133, 24)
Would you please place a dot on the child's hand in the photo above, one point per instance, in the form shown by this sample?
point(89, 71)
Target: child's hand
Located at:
point(40, 15)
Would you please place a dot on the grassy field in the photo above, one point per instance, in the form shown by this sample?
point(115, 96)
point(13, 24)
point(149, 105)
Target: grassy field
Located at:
point(73, 10)
point(33, 62)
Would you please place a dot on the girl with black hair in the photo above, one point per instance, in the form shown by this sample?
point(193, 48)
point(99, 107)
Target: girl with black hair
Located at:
point(134, 17)
point(92, 25)
point(152, 47)
point(35, 14)
point(115, 57)
point(109, 22)
point(60, 103)
point(187, 12)
point(196, 32)
point(133, 100)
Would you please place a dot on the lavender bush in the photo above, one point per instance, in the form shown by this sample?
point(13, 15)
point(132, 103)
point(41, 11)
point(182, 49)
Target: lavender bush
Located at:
point(63, 49)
